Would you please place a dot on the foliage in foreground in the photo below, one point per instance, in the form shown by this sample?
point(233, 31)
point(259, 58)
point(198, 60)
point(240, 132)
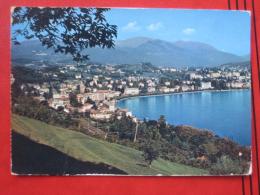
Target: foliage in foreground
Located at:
point(65, 30)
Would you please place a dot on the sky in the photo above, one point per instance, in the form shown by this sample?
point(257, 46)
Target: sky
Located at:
point(228, 31)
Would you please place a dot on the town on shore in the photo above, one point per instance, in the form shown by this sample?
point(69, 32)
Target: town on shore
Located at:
point(93, 89)
point(83, 98)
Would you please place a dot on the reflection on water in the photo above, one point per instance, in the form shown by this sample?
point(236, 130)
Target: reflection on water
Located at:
point(226, 113)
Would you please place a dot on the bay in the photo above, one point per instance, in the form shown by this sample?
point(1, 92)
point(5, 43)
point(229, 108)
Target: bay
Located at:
point(226, 113)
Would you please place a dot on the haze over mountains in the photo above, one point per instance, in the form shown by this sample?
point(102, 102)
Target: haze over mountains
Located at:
point(133, 51)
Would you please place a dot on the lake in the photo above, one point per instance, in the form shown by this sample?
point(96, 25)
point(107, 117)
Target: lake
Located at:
point(226, 113)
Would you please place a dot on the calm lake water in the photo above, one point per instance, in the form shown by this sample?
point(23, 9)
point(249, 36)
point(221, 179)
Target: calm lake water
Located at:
point(226, 113)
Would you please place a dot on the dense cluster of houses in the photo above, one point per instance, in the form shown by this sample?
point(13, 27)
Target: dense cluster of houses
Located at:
point(96, 94)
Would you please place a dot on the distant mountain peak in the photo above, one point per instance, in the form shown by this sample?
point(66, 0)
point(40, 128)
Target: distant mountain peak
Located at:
point(194, 45)
point(135, 51)
point(133, 42)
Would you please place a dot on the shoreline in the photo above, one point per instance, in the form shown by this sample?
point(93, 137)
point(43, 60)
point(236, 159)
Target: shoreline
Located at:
point(188, 92)
point(177, 93)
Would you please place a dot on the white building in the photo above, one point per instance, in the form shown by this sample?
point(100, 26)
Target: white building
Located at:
point(131, 91)
point(175, 89)
point(98, 95)
point(237, 85)
point(206, 85)
point(100, 115)
point(78, 76)
point(215, 75)
point(193, 75)
point(58, 102)
point(167, 83)
point(185, 88)
point(164, 89)
point(235, 74)
point(151, 89)
point(141, 85)
point(44, 90)
point(111, 105)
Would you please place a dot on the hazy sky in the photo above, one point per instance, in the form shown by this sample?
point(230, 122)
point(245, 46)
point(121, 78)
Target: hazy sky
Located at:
point(226, 30)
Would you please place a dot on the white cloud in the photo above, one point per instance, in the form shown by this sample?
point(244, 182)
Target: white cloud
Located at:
point(188, 31)
point(131, 26)
point(154, 26)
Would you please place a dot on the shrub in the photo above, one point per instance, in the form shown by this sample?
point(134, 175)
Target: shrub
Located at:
point(225, 165)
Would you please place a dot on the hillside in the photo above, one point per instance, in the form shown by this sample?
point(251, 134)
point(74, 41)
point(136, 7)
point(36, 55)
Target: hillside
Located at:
point(133, 51)
point(30, 157)
point(244, 64)
point(88, 149)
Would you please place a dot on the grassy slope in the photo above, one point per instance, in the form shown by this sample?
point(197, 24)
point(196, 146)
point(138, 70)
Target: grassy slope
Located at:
point(86, 148)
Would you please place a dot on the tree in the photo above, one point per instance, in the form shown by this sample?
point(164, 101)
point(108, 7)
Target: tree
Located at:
point(66, 30)
point(226, 165)
point(60, 109)
point(150, 154)
point(74, 101)
point(16, 91)
point(162, 126)
point(162, 121)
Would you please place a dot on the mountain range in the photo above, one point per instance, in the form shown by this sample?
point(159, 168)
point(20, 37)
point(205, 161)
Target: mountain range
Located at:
point(133, 51)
